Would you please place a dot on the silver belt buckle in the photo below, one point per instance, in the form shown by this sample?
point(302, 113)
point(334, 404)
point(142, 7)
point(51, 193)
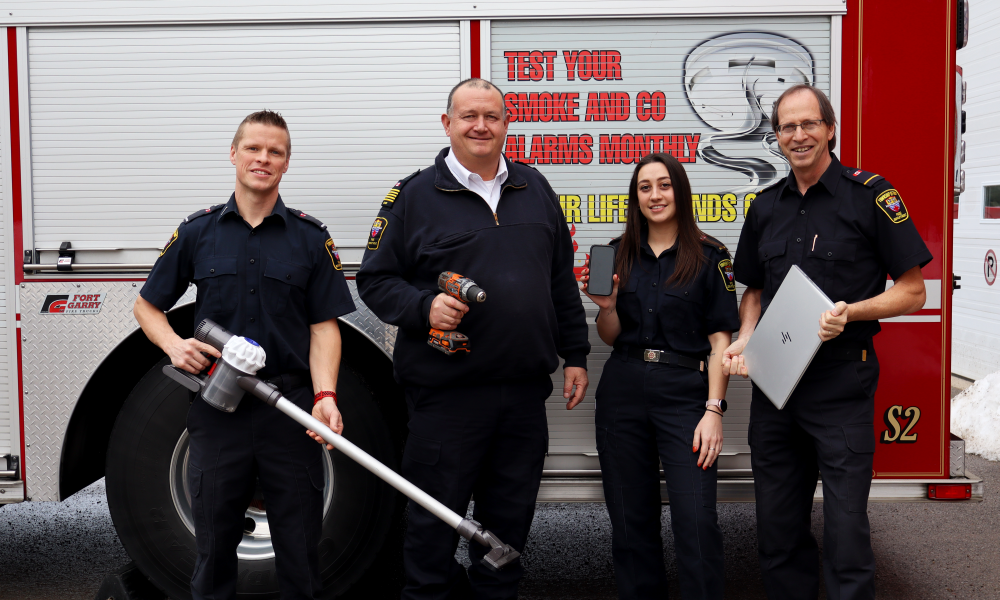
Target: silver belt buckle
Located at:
point(653, 355)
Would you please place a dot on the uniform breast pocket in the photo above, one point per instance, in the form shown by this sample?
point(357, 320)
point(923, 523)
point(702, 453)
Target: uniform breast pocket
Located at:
point(681, 316)
point(771, 255)
point(833, 259)
point(627, 303)
point(283, 281)
point(217, 285)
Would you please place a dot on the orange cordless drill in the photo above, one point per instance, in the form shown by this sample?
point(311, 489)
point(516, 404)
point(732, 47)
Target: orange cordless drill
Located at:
point(462, 289)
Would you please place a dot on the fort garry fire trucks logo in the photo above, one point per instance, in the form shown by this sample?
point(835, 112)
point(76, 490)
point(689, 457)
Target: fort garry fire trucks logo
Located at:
point(72, 304)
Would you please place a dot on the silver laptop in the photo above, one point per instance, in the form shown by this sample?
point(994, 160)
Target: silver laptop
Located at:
point(787, 337)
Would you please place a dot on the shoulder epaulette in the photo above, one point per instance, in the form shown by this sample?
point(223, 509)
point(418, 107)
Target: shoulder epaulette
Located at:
point(390, 198)
point(202, 213)
point(309, 218)
point(863, 177)
point(772, 186)
point(711, 241)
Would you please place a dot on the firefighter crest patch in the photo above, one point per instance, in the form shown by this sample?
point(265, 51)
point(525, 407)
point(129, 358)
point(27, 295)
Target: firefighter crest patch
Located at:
point(378, 228)
point(728, 277)
point(173, 238)
point(331, 249)
point(892, 205)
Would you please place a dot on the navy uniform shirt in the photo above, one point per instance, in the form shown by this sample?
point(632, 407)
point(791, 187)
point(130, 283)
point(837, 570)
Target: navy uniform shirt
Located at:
point(267, 283)
point(676, 317)
point(847, 232)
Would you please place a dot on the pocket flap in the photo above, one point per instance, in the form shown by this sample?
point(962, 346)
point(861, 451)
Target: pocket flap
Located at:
point(770, 250)
point(215, 266)
point(287, 272)
point(860, 438)
point(834, 250)
point(423, 450)
point(691, 292)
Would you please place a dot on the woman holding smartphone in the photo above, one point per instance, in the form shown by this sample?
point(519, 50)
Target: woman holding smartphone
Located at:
point(669, 317)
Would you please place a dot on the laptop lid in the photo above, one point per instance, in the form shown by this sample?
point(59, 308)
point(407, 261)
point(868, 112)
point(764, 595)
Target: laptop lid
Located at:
point(787, 337)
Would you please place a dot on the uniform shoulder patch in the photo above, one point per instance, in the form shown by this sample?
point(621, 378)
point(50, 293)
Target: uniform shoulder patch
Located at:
point(202, 213)
point(863, 177)
point(728, 277)
point(892, 205)
point(309, 218)
point(331, 249)
point(711, 241)
point(378, 228)
point(170, 242)
point(390, 198)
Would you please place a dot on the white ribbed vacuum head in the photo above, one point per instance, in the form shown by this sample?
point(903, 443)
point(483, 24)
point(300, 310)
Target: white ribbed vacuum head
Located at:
point(244, 354)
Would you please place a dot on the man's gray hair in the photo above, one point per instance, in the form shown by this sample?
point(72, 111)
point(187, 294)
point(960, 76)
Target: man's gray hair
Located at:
point(825, 108)
point(474, 82)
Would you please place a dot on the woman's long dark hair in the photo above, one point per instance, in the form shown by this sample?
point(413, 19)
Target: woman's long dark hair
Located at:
point(690, 256)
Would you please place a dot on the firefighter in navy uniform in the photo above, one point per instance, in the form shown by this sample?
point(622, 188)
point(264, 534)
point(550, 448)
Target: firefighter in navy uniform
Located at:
point(477, 421)
point(272, 274)
point(846, 229)
point(662, 393)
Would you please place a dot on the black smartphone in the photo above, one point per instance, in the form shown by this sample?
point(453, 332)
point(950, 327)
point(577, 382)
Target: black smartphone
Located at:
point(602, 270)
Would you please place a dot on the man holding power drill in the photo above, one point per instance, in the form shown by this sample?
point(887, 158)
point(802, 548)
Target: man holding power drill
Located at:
point(477, 419)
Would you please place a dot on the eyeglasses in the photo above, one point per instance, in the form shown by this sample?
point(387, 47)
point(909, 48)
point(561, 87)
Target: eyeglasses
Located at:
point(807, 126)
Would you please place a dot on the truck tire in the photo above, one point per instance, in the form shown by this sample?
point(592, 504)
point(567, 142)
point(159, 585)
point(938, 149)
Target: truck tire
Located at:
point(146, 487)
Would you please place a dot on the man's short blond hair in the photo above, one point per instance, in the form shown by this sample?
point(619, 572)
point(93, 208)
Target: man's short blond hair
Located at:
point(263, 117)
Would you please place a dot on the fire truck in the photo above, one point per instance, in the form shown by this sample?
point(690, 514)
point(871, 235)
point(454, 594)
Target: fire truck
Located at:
point(116, 119)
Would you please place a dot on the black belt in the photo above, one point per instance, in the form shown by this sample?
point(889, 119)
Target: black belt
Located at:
point(290, 381)
point(844, 351)
point(664, 357)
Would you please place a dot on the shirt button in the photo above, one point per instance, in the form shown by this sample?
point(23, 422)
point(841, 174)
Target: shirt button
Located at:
point(650, 310)
point(253, 232)
point(654, 284)
point(252, 319)
point(829, 253)
point(799, 240)
point(802, 212)
point(252, 291)
point(288, 276)
point(211, 270)
point(251, 261)
point(685, 293)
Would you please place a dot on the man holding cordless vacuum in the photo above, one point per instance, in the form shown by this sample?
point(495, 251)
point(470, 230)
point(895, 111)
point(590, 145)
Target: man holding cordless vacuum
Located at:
point(272, 274)
point(477, 420)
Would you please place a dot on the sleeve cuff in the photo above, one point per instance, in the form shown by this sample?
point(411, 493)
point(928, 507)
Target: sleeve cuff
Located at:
point(425, 309)
point(161, 302)
point(334, 312)
point(920, 259)
point(577, 359)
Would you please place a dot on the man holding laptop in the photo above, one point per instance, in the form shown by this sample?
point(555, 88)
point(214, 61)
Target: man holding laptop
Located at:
point(846, 229)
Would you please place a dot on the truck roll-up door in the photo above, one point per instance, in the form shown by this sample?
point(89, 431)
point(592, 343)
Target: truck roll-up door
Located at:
point(591, 97)
point(131, 126)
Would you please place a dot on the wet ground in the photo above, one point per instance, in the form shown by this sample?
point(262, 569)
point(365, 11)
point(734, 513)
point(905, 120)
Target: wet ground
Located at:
point(61, 551)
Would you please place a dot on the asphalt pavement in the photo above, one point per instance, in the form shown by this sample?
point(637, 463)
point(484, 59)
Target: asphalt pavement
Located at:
point(61, 551)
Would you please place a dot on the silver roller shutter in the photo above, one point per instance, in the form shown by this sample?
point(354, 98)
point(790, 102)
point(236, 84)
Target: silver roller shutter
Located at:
point(699, 65)
point(131, 126)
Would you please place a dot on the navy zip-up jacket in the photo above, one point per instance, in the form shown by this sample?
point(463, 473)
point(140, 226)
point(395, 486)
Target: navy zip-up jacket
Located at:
point(522, 256)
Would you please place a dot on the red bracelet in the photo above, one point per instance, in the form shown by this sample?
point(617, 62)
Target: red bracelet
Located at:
point(320, 395)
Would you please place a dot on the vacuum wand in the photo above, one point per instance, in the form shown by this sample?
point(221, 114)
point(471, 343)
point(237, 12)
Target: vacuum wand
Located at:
point(500, 554)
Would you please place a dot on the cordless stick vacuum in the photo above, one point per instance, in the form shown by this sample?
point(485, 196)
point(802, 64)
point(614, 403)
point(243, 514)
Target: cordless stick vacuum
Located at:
point(233, 375)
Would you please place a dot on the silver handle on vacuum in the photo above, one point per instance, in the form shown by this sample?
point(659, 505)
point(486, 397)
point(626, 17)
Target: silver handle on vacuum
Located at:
point(275, 399)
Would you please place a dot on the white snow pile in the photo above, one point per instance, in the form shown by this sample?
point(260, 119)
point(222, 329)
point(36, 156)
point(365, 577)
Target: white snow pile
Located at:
point(975, 417)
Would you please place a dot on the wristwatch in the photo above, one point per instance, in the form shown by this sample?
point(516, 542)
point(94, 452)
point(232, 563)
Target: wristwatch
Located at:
point(720, 402)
